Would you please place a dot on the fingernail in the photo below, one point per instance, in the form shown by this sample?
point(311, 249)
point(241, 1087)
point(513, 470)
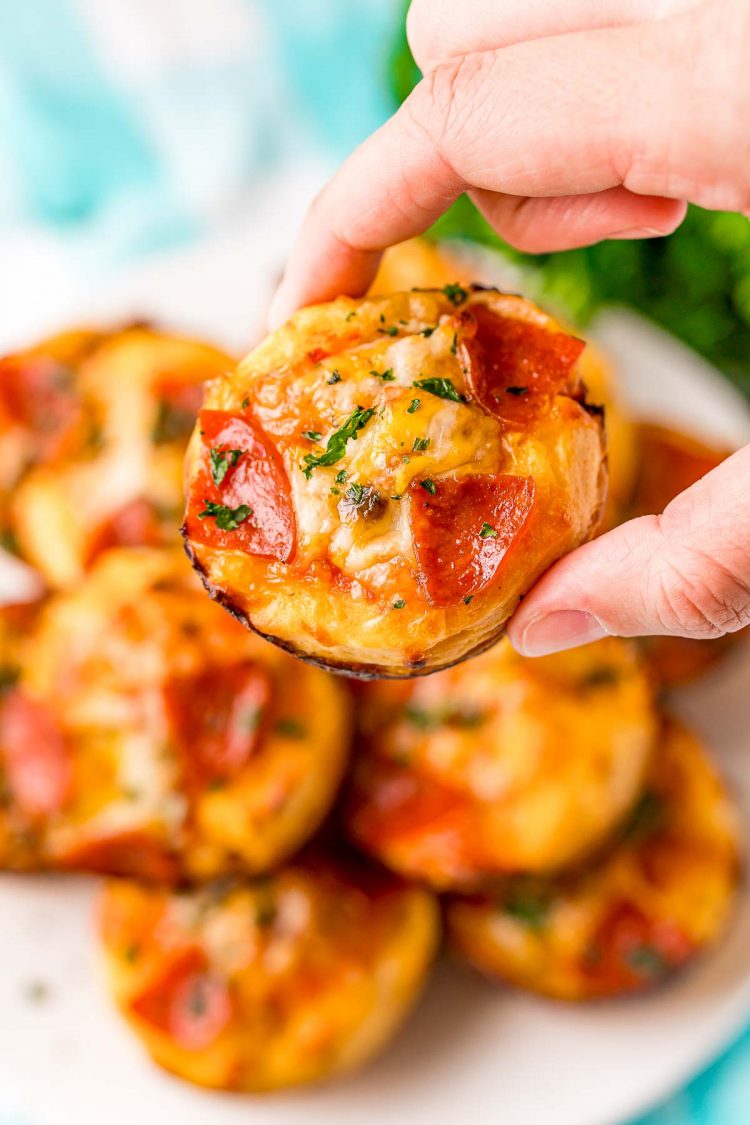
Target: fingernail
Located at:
point(639, 232)
point(566, 628)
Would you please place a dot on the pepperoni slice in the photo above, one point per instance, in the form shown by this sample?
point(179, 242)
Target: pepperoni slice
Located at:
point(463, 532)
point(131, 854)
point(36, 758)
point(631, 950)
point(38, 392)
point(186, 1002)
point(134, 525)
point(250, 485)
point(218, 717)
point(509, 362)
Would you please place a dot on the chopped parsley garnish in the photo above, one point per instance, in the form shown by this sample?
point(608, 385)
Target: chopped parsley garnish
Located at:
point(427, 332)
point(399, 603)
point(487, 532)
point(516, 391)
point(461, 718)
point(603, 676)
point(222, 460)
point(227, 519)
point(396, 496)
point(362, 500)
point(526, 905)
point(420, 444)
point(340, 476)
point(647, 961)
point(386, 376)
point(441, 388)
point(335, 376)
point(429, 486)
point(312, 435)
point(355, 492)
point(350, 314)
point(290, 728)
point(245, 403)
point(413, 406)
point(392, 330)
point(454, 345)
point(456, 294)
point(336, 444)
point(335, 492)
point(468, 598)
point(172, 423)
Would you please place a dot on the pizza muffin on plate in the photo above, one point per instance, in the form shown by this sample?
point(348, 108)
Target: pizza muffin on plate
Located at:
point(380, 481)
point(661, 895)
point(148, 734)
point(500, 764)
point(93, 429)
point(276, 982)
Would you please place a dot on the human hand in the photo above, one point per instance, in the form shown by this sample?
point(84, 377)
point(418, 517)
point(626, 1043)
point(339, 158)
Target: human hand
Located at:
point(567, 124)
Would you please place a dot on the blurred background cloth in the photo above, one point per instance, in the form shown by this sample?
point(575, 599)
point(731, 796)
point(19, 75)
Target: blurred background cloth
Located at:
point(129, 126)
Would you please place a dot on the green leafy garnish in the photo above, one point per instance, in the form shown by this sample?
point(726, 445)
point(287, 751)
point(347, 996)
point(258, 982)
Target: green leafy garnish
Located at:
point(487, 531)
point(441, 388)
point(427, 332)
point(413, 406)
point(399, 603)
point(336, 444)
point(516, 391)
point(397, 496)
point(468, 598)
point(456, 294)
point(335, 376)
point(340, 476)
point(392, 330)
point(245, 403)
point(227, 519)
point(311, 435)
point(355, 492)
point(386, 376)
point(222, 460)
point(429, 486)
point(454, 345)
point(526, 905)
point(420, 444)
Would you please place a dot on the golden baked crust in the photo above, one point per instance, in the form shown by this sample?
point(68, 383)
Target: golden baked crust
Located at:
point(93, 430)
point(500, 764)
point(148, 734)
point(662, 894)
point(262, 985)
point(380, 481)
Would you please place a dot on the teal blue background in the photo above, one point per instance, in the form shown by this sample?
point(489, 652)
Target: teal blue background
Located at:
point(73, 144)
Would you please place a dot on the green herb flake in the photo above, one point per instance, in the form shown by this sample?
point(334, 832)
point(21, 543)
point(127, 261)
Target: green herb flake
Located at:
point(429, 486)
point(528, 906)
point(397, 496)
point(487, 531)
point(336, 445)
point(391, 330)
point(227, 519)
point(454, 345)
point(291, 728)
point(311, 435)
point(355, 492)
point(420, 444)
point(386, 376)
point(427, 332)
point(647, 961)
point(340, 477)
point(335, 378)
point(455, 293)
point(441, 388)
point(350, 314)
point(399, 603)
point(335, 492)
point(518, 391)
point(413, 406)
point(222, 460)
point(468, 598)
point(245, 403)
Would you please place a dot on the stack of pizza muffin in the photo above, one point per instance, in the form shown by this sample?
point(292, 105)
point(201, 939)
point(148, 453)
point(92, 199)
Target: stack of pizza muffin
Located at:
point(285, 847)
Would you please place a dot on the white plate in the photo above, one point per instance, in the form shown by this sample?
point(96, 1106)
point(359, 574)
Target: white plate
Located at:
point(470, 1051)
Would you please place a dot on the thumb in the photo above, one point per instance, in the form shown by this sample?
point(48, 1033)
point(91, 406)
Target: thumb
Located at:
point(685, 573)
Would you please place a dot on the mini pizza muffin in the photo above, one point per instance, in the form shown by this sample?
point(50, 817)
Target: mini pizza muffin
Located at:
point(278, 982)
point(662, 895)
point(94, 428)
point(380, 481)
point(670, 462)
point(421, 262)
point(148, 734)
point(501, 764)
